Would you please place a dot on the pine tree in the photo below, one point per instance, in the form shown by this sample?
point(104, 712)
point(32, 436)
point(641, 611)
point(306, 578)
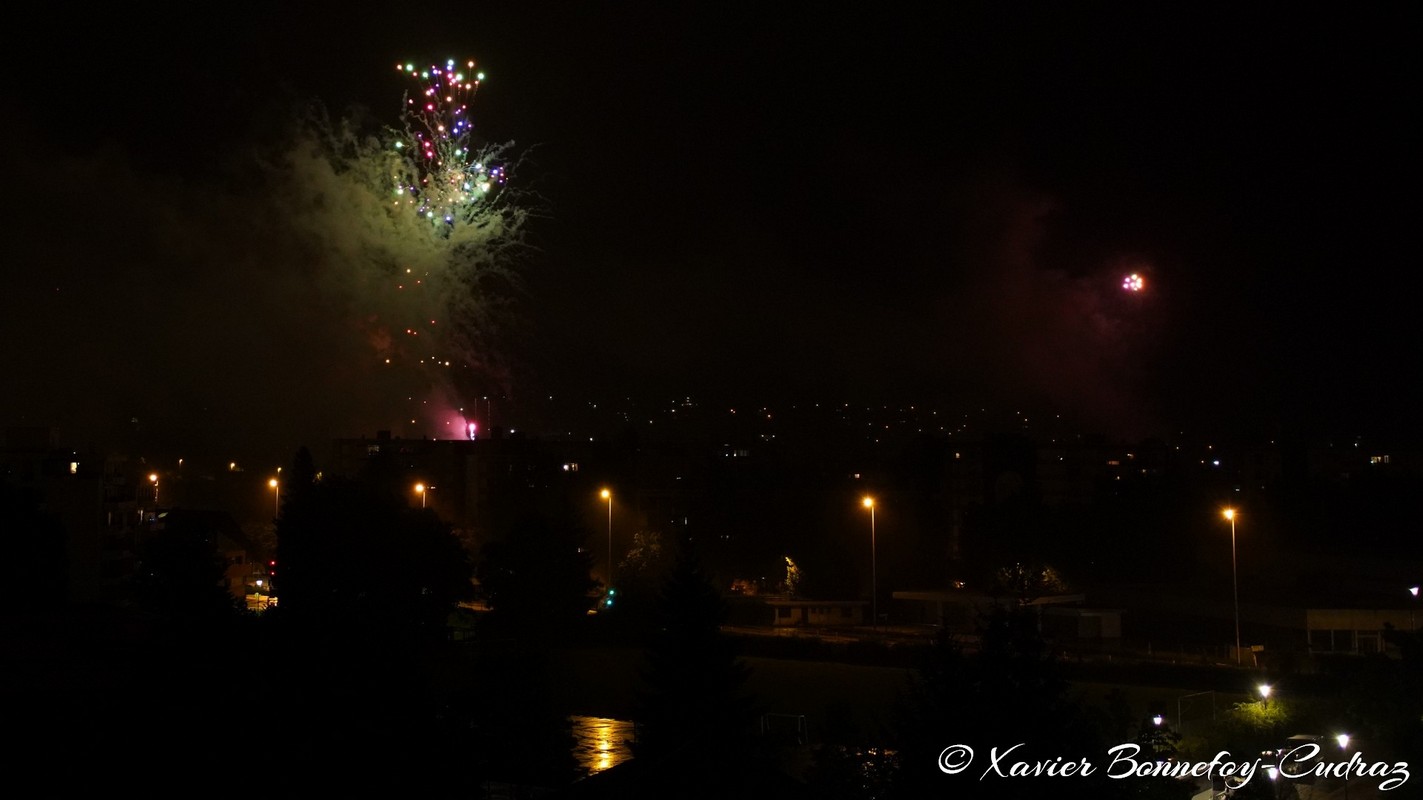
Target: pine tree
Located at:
point(694, 697)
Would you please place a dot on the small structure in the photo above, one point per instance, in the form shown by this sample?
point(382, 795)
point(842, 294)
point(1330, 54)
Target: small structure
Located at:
point(816, 613)
point(961, 610)
point(1355, 630)
point(1076, 624)
point(1062, 617)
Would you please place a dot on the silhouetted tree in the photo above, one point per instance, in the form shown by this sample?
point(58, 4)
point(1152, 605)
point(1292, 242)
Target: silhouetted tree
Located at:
point(358, 645)
point(351, 553)
point(303, 469)
point(1009, 690)
point(639, 581)
point(536, 577)
point(1027, 582)
point(180, 577)
point(694, 696)
point(37, 567)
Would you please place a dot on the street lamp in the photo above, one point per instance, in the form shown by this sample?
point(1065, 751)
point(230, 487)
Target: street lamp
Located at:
point(869, 502)
point(153, 477)
point(1343, 740)
point(276, 497)
point(1413, 590)
point(1229, 514)
point(420, 490)
point(608, 495)
point(1265, 690)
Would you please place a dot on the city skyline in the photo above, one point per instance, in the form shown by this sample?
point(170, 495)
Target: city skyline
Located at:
point(798, 207)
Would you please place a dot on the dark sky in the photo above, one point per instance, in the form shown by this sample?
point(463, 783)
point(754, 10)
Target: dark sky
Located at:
point(778, 202)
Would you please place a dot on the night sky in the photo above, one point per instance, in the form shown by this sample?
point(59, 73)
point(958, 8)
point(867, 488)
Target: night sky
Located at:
point(760, 203)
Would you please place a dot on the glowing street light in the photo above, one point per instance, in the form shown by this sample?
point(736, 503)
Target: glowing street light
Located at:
point(1413, 590)
point(420, 490)
point(1264, 690)
point(1343, 740)
point(1229, 514)
point(869, 502)
point(607, 494)
point(153, 478)
point(276, 497)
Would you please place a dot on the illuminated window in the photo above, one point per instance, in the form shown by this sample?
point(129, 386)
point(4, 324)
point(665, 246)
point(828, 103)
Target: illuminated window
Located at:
point(1378, 459)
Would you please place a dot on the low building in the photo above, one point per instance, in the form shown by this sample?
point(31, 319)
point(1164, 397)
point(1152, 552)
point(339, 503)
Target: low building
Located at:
point(1086, 625)
point(816, 613)
point(1355, 630)
point(962, 610)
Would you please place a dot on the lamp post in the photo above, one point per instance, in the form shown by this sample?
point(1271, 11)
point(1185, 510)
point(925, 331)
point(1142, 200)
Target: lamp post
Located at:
point(607, 494)
point(1229, 514)
point(276, 497)
point(420, 490)
point(153, 478)
point(1343, 740)
point(1413, 590)
point(869, 502)
point(1265, 690)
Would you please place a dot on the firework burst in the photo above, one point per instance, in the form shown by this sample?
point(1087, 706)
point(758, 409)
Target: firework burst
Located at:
point(442, 176)
point(428, 276)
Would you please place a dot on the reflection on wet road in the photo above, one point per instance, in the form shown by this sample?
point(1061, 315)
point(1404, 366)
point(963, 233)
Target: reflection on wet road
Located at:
point(600, 743)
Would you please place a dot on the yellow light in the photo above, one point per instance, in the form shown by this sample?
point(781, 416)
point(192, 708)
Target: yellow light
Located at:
point(1229, 513)
point(868, 502)
point(605, 494)
point(153, 477)
point(272, 483)
point(420, 487)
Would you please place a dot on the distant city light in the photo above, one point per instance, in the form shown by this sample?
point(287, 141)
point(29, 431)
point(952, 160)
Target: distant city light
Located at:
point(1133, 282)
